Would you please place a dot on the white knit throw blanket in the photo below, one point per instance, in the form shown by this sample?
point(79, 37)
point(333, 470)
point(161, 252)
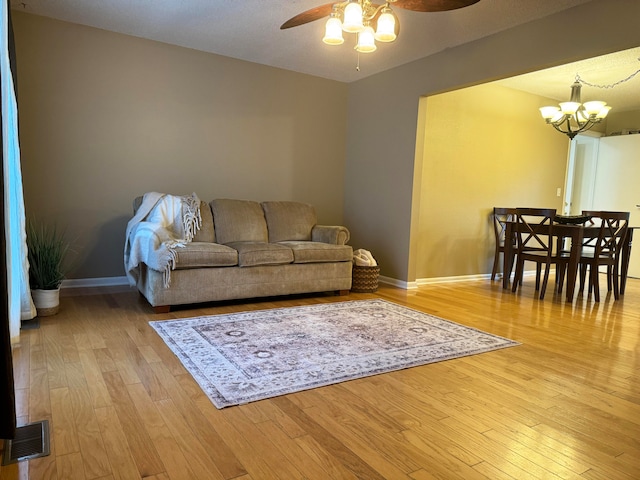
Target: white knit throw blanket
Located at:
point(161, 224)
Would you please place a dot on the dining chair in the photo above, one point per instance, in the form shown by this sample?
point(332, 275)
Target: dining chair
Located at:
point(535, 243)
point(500, 218)
point(604, 251)
point(588, 244)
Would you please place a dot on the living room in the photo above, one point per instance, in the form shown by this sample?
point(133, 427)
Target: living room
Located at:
point(130, 115)
point(105, 117)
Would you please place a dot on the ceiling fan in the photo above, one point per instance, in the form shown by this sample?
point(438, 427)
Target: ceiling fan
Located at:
point(373, 9)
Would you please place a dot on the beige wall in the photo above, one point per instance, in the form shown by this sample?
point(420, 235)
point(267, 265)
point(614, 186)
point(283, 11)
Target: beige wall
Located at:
point(105, 117)
point(484, 146)
point(382, 195)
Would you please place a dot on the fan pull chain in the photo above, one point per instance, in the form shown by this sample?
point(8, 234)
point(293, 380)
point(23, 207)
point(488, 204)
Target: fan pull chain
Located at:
point(358, 63)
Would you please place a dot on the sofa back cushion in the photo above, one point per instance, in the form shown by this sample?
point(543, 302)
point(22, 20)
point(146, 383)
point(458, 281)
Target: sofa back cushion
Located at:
point(289, 221)
point(238, 221)
point(206, 233)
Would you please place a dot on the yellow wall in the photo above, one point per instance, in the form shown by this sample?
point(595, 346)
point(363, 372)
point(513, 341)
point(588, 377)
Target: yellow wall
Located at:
point(484, 146)
point(106, 117)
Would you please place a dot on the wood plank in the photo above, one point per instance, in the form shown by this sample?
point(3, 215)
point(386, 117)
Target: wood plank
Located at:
point(88, 430)
point(143, 452)
point(116, 444)
point(185, 393)
point(63, 427)
point(70, 466)
point(169, 449)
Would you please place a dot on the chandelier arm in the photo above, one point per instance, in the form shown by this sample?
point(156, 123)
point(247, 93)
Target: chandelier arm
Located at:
point(375, 12)
point(569, 132)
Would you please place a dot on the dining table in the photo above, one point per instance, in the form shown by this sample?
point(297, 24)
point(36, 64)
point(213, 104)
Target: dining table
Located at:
point(576, 234)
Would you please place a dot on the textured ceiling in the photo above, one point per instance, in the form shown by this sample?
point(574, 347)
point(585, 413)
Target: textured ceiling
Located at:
point(608, 72)
point(250, 30)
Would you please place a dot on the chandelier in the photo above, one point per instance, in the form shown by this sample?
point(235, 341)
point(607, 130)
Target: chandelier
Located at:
point(360, 17)
point(573, 117)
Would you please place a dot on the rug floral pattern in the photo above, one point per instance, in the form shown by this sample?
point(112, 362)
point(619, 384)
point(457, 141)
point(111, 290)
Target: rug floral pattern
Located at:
point(244, 357)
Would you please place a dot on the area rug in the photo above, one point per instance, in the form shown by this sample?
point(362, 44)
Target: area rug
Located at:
point(244, 357)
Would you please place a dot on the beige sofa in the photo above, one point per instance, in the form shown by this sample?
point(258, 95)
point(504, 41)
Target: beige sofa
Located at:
point(247, 249)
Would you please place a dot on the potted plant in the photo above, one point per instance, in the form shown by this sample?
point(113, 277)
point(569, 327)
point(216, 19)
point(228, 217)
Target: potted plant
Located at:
point(47, 251)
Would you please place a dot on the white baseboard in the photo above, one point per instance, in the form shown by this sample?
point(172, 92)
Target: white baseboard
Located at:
point(123, 281)
point(397, 283)
point(435, 280)
point(95, 282)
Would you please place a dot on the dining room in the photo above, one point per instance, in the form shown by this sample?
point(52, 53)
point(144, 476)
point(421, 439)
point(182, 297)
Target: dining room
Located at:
point(487, 146)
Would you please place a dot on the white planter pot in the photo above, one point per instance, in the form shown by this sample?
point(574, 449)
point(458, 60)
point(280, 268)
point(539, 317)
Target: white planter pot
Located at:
point(47, 302)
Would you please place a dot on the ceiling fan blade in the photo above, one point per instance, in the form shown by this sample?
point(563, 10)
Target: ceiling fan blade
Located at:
point(432, 5)
point(308, 16)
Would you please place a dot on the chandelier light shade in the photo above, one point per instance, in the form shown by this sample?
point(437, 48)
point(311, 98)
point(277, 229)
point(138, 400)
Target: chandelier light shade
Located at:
point(573, 117)
point(360, 17)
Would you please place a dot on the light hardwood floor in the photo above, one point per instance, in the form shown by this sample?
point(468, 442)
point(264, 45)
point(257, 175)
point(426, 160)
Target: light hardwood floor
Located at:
point(564, 404)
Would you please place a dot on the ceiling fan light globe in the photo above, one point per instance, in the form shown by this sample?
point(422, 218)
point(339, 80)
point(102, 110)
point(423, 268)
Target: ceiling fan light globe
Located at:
point(333, 32)
point(353, 18)
point(386, 31)
point(366, 41)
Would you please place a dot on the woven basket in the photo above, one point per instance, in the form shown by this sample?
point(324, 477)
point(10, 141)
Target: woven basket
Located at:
point(365, 279)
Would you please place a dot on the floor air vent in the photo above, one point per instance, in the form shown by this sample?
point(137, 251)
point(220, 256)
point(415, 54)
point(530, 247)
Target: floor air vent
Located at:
point(31, 441)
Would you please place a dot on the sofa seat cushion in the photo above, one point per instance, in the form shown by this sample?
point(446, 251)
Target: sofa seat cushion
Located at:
point(317, 252)
point(289, 220)
point(238, 221)
point(251, 254)
point(205, 254)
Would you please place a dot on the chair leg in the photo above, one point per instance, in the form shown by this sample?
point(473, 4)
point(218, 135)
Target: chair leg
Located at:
point(512, 263)
point(545, 280)
point(494, 270)
point(517, 279)
point(560, 269)
point(583, 275)
point(595, 282)
point(538, 271)
point(614, 278)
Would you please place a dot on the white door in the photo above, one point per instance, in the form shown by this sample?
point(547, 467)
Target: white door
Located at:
point(581, 174)
point(617, 184)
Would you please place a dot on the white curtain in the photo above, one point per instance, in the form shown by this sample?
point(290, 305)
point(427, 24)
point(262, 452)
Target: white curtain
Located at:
point(20, 303)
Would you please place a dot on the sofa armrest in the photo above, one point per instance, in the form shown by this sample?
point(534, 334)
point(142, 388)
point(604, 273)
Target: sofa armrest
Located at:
point(333, 234)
